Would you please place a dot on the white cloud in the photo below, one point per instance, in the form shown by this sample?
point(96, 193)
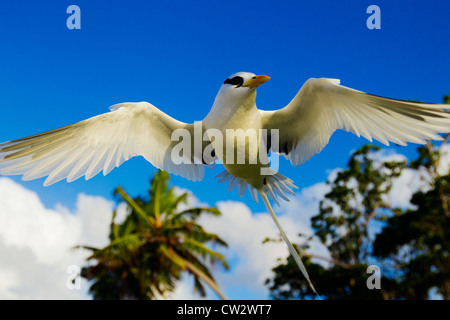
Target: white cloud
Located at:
point(184, 290)
point(244, 231)
point(403, 187)
point(444, 163)
point(410, 181)
point(251, 260)
point(36, 242)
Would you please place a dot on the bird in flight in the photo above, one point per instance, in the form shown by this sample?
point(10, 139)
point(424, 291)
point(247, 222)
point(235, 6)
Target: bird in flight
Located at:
point(298, 131)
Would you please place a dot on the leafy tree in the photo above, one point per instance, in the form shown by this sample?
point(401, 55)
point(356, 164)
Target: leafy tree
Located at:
point(357, 197)
point(418, 241)
point(155, 244)
point(412, 249)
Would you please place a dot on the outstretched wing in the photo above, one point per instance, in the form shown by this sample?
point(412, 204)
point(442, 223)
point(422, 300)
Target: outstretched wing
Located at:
point(322, 106)
point(101, 143)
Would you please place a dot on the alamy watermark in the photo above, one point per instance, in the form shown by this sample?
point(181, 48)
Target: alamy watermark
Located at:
point(74, 20)
point(374, 280)
point(374, 20)
point(231, 146)
point(73, 281)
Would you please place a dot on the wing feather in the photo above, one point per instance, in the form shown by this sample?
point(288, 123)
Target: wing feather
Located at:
point(100, 143)
point(323, 106)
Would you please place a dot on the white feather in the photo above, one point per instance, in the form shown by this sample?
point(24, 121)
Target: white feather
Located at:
point(322, 106)
point(99, 143)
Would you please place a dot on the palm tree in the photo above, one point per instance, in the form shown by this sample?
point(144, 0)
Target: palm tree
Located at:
point(151, 249)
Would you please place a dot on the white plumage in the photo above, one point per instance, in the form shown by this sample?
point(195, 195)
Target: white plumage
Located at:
point(305, 126)
point(322, 106)
point(97, 144)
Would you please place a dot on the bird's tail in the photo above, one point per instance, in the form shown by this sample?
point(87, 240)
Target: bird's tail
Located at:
point(275, 185)
point(292, 250)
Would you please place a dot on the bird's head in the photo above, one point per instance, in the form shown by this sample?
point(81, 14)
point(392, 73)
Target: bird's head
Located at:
point(242, 84)
point(237, 92)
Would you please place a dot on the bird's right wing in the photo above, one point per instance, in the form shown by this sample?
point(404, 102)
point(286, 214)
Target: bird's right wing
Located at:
point(322, 106)
point(102, 143)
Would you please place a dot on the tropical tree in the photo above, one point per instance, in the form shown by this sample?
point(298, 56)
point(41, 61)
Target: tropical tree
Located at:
point(412, 248)
point(357, 199)
point(156, 243)
point(418, 240)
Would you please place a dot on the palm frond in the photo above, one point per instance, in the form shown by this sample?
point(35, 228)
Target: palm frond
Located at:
point(171, 254)
point(206, 252)
point(142, 215)
point(155, 244)
point(118, 247)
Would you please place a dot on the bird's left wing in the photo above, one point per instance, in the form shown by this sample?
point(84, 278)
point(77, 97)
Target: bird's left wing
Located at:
point(101, 143)
point(322, 106)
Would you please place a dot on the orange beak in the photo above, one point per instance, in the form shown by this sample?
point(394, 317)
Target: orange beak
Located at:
point(256, 81)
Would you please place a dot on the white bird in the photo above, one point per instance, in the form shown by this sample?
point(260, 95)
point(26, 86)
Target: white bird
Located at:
point(304, 127)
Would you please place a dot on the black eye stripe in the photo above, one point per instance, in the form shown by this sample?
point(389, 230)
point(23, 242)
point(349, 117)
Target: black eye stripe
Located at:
point(237, 81)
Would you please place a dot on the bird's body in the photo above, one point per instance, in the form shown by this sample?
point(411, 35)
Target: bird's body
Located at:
point(235, 131)
point(238, 122)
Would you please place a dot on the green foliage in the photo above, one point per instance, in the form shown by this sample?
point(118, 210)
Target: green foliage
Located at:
point(447, 99)
point(419, 241)
point(412, 249)
point(153, 246)
point(358, 195)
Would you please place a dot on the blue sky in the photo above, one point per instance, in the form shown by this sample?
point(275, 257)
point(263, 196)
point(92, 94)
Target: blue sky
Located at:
point(176, 54)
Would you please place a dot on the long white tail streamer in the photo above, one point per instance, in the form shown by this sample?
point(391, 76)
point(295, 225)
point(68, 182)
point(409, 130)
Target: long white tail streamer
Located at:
point(292, 250)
